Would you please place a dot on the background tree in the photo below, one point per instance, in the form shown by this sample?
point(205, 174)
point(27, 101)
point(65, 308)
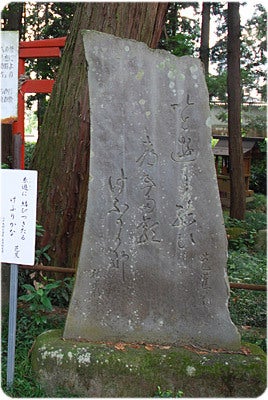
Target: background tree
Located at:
point(237, 180)
point(37, 21)
point(12, 16)
point(252, 55)
point(45, 21)
point(254, 50)
point(62, 150)
point(181, 34)
point(205, 27)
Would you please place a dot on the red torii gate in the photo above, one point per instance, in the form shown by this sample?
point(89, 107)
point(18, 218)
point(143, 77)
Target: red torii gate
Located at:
point(46, 48)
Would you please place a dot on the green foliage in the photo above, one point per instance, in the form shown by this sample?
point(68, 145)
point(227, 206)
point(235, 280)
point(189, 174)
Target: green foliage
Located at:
point(180, 34)
point(255, 220)
point(31, 119)
point(29, 150)
point(255, 123)
point(258, 179)
point(25, 384)
point(263, 145)
point(180, 44)
point(242, 233)
point(42, 255)
point(61, 295)
point(214, 142)
point(254, 335)
point(259, 203)
point(46, 20)
point(35, 315)
point(5, 166)
point(245, 265)
point(43, 20)
point(39, 230)
point(217, 87)
point(238, 235)
point(253, 50)
point(45, 292)
point(253, 53)
point(247, 307)
point(168, 393)
point(38, 299)
point(247, 268)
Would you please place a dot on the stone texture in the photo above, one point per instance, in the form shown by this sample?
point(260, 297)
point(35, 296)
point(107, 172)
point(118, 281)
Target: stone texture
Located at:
point(152, 264)
point(80, 369)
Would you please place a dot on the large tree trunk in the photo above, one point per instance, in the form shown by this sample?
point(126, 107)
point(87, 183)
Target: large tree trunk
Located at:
point(204, 47)
point(62, 151)
point(238, 201)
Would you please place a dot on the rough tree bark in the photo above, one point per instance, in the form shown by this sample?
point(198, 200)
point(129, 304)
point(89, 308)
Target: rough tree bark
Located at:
point(62, 150)
point(204, 48)
point(238, 201)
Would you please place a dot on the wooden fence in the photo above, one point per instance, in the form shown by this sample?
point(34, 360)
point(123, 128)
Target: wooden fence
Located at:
point(40, 267)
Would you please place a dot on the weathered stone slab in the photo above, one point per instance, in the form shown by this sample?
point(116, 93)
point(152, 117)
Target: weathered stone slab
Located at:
point(152, 265)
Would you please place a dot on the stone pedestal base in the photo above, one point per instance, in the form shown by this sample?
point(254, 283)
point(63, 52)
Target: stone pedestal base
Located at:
point(65, 367)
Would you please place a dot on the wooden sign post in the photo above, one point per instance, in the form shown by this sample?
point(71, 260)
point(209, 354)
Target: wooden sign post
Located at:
point(9, 76)
point(18, 225)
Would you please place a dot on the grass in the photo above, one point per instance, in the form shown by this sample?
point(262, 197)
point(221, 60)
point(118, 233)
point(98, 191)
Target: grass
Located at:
point(247, 265)
point(25, 384)
point(247, 308)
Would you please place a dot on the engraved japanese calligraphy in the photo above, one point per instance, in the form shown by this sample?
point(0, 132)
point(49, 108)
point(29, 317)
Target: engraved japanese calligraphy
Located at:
point(185, 149)
point(118, 256)
point(153, 255)
point(148, 226)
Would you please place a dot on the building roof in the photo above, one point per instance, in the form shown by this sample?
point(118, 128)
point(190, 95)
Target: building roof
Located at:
point(222, 147)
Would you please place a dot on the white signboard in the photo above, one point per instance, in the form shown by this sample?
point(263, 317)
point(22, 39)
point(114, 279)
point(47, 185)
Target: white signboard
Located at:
point(18, 216)
point(9, 75)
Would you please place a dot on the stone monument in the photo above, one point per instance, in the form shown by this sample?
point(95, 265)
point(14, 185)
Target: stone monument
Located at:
point(152, 265)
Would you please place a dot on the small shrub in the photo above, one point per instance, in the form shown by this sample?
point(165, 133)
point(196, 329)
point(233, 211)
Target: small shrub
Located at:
point(255, 220)
point(247, 307)
point(241, 234)
point(25, 384)
point(258, 204)
point(44, 293)
point(38, 298)
point(254, 335)
point(41, 254)
point(61, 295)
point(258, 176)
point(29, 151)
point(248, 268)
point(236, 237)
point(5, 166)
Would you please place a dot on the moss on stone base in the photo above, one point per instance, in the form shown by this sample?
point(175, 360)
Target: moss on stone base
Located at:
point(103, 370)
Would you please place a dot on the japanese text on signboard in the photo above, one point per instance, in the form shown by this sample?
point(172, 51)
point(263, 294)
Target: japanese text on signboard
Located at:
point(9, 75)
point(18, 216)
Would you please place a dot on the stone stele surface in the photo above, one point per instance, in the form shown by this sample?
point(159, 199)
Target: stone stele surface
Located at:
point(152, 265)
